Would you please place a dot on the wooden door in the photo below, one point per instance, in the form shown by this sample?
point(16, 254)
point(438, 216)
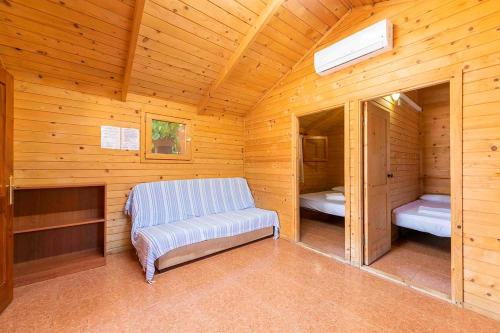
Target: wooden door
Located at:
point(377, 216)
point(6, 199)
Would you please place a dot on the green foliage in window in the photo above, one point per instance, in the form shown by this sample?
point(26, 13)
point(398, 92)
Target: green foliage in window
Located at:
point(165, 132)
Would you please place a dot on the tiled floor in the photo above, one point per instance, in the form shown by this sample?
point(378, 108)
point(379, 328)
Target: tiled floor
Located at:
point(327, 237)
point(267, 286)
point(420, 259)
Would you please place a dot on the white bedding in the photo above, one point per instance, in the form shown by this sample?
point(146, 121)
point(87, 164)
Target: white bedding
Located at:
point(409, 216)
point(317, 201)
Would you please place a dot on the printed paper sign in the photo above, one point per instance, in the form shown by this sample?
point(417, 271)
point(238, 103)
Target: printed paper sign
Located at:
point(110, 137)
point(130, 139)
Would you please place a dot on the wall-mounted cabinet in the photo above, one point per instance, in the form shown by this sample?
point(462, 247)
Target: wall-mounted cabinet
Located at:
point(58, 230)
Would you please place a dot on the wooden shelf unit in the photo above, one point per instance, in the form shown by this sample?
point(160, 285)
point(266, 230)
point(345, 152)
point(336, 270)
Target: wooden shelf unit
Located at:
point(58, 230)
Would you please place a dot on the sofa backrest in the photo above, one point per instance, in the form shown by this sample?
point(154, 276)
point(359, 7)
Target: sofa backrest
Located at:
point(157, 203)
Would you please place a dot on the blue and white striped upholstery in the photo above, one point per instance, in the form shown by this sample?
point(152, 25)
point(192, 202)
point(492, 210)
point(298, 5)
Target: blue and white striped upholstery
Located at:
point(170, 214)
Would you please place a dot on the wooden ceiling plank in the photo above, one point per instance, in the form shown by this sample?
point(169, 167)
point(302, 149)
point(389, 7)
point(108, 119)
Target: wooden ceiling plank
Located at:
point(73, 48)
point(171, 61)
point(338, 23)
point(167, 42)
point(153, 89)
point(167, 86)
point(134, 34)
point(337, 7)
point(228, 41)
point(289, 18)
point(140, 90)
point(48, 80)
point(158, 68)
point(218, 14)
point(296, 35)
point(56, 62)
point(58, 10)
point(190, 38)
point(260, 23)
point(296, 8)
point(159, 77)
point(60, 34)
point(282, 50)
point(320, 11)
point(116, 6)
point(285, 39)
point(203, 19)
point(255, 6)
point(62, 70)
point(156, 51)
point(56, 54)
point(98, 12)
point(235, 9)
point(62, 23)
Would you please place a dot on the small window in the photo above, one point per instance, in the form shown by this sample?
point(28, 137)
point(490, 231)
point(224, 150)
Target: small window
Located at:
point(166, 138)
point(315, 148)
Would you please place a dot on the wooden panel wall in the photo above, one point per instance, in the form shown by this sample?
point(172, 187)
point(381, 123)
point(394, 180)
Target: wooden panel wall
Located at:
point(315, 177)
point(435, 131)
point(405, 151)
point(57, 140)
point(432, 39)
point(335, 165)
point(322, 176)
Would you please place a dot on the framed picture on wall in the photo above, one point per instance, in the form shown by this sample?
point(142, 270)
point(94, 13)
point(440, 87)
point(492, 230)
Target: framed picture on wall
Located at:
point(315, 148)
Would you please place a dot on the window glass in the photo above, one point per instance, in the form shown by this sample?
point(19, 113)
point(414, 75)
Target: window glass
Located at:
point(167, 137)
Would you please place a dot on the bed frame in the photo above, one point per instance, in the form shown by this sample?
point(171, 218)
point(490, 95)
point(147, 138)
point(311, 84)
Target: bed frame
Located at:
point(198, 250)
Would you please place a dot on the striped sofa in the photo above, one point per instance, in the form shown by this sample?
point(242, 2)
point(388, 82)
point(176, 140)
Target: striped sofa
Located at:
point(181, 220)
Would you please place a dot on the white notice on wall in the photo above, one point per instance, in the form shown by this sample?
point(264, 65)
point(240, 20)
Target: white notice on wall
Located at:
point(110, 137)
point(130, 139)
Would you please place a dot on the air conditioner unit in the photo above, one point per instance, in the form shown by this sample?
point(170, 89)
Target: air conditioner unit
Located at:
point(364, 44)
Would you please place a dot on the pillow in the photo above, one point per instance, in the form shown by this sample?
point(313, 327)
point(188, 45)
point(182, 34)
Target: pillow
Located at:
point(436, 197)
point(335, 196)
point(338, 189)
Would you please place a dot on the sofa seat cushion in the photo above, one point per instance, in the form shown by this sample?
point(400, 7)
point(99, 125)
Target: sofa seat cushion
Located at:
point(153, 242)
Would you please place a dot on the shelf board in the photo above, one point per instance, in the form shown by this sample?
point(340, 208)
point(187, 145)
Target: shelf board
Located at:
point(57, 226)
point(47, 268)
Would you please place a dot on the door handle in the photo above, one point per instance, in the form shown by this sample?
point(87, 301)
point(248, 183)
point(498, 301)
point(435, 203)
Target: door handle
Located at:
point(390, 175)
point(11, 190)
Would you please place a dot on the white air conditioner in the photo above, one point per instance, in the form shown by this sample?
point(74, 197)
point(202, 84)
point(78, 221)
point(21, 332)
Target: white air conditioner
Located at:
point(364, 44)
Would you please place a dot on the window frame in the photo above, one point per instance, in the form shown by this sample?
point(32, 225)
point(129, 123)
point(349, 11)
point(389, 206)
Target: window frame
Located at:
point(325, 148)
point(146, 142)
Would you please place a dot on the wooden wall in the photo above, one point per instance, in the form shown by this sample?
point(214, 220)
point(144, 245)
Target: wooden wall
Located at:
point(335, 165)
point(435, 132)
point(432, 39)
point(405, 151)
point(315, 177)
point(57, 141)
point(322, 176)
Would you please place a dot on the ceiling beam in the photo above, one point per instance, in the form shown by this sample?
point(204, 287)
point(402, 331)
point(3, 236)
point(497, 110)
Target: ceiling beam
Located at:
point(134, 35)
point(245, 43)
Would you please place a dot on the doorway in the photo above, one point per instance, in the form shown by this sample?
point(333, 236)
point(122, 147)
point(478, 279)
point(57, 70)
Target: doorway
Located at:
point(321, 197)
point(407, 228)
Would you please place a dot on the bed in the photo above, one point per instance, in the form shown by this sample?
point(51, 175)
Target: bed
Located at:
point(430, 214)
point(317, 201)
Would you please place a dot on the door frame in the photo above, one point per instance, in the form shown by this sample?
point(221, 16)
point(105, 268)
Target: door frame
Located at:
point(455, 80)
point(295, 177)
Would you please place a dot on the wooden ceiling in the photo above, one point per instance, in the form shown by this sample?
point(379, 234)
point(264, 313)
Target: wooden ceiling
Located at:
point(74, 44)
point(322, 122)
point(222, 55)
